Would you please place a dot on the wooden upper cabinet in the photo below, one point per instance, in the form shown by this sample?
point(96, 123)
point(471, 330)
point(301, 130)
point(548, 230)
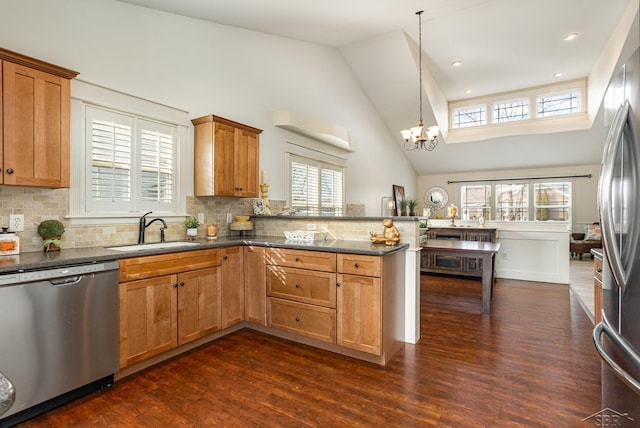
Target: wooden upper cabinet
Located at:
point(226, 158)
point(35, 122)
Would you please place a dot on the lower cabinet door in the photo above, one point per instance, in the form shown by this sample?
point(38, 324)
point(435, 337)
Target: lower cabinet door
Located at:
point(198, 304)
point(359, 313)
point(148, 320)
point(255, 288)
point(316, 322)
point(232, 287)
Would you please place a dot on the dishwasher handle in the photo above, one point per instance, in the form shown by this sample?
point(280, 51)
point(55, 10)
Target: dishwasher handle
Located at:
point(70, 280)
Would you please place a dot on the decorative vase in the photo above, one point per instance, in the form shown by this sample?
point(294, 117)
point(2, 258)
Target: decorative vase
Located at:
point(51, 244)
point(192, 233)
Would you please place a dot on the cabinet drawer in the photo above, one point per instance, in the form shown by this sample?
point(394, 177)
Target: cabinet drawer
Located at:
point(165, 264)
point(314, 260)
point(315, 322)
point(317, 288)
point(359, 265)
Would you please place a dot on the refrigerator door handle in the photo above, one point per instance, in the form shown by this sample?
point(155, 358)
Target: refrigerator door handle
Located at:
point(605, 202)
point(623, 345)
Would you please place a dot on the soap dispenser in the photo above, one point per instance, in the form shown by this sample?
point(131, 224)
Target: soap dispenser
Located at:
point(9, 242)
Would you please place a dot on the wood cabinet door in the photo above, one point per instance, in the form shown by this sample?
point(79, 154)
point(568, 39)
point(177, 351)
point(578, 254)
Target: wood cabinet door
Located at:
point(223, 160)
point(198, 304)
point(36, 123)
point(148, 318)
point(255, 285)
point(359, 313)
point(247, 164)
point(232, 298)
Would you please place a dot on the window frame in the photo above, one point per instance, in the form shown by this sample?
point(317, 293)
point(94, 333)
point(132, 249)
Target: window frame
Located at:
point(85, 94)
point(578, 86)
point(322, 161)
point(531, 204)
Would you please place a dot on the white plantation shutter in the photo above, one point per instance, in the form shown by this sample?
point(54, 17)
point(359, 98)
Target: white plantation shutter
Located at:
point(156, 161)
point(331, 190)
point(316, 187)
point(131, 163)
point(110, 161)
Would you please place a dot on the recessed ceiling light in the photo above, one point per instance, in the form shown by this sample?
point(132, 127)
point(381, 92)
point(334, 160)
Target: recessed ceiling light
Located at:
point(456, 63)
point(570, 37)
point(468, 91)
point(557, 75)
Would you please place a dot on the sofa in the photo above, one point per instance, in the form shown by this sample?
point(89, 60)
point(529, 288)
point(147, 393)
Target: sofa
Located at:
point(582, 243)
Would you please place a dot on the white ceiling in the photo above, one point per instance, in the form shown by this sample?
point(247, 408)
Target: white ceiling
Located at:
point(503, 44)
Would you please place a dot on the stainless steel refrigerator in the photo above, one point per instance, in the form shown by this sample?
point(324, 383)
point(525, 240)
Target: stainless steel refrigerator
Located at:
point(617, 337)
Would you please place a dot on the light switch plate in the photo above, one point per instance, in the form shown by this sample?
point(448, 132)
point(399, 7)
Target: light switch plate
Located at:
point(201, 218)
point(16, 222)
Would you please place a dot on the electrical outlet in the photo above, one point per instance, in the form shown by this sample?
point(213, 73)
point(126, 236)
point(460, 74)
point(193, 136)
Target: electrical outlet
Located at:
point(311, 226)
point(201, 218)
point(229, 217)
point(505, 256)
point(16, 222)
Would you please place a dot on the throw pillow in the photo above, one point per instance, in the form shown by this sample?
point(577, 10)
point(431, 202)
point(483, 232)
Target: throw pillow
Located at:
point(592, 232)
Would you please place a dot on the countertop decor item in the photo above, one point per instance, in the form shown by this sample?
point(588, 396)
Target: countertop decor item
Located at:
point(51, 233)
point(452, 213)
point(9, 242)
point(390, 236)
point(264, 190)
point(192, 224)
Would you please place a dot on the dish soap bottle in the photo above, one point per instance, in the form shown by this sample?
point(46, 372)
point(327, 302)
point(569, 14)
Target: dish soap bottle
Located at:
point(9, 242)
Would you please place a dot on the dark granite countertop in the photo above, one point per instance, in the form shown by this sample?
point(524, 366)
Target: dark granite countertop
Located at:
point(72, 256)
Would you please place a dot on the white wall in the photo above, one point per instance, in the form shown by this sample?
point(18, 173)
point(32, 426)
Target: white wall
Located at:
point(207, 68)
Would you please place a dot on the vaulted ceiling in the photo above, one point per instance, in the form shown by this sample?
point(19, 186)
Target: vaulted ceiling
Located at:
point(503, 45)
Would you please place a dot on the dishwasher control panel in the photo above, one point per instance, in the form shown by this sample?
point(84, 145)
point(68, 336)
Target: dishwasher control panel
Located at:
point(56, 272)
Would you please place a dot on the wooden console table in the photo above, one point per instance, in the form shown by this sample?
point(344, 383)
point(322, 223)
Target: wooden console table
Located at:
point(483, 250)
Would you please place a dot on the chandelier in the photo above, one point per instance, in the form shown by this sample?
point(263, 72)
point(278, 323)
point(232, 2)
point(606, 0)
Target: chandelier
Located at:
point(418, 137)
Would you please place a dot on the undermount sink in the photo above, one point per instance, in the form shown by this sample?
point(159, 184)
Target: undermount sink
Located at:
point(154, 246)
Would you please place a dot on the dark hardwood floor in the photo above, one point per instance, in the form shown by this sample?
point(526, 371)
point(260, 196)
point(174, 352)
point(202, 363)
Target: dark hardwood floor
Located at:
point(530, 362)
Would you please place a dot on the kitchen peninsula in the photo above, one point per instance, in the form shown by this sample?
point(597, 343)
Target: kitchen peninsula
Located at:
point(360, 278)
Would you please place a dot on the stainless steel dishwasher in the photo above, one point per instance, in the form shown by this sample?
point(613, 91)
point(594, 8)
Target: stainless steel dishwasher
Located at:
point(58, 335)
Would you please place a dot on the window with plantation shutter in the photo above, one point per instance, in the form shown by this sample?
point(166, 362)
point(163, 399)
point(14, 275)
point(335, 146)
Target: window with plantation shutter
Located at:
point(131, 162)
point(316, 188)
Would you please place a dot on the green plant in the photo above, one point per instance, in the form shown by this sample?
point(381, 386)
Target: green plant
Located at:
point(403, 206)
point(50, 229)
point(191, 223)
point(412, 203)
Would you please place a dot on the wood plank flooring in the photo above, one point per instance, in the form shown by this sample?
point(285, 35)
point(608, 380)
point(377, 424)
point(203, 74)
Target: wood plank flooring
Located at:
point(581, 283)
point(530, 362)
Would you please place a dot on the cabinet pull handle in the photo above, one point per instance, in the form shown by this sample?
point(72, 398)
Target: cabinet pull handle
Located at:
point(338, 284)
point(357, 265)
point(175, 285)
point(10, 171)
point(297, 259)
point(181, 283)
point(297, 319)
point(297, 285)
point(225, 257)
point(600, 270)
